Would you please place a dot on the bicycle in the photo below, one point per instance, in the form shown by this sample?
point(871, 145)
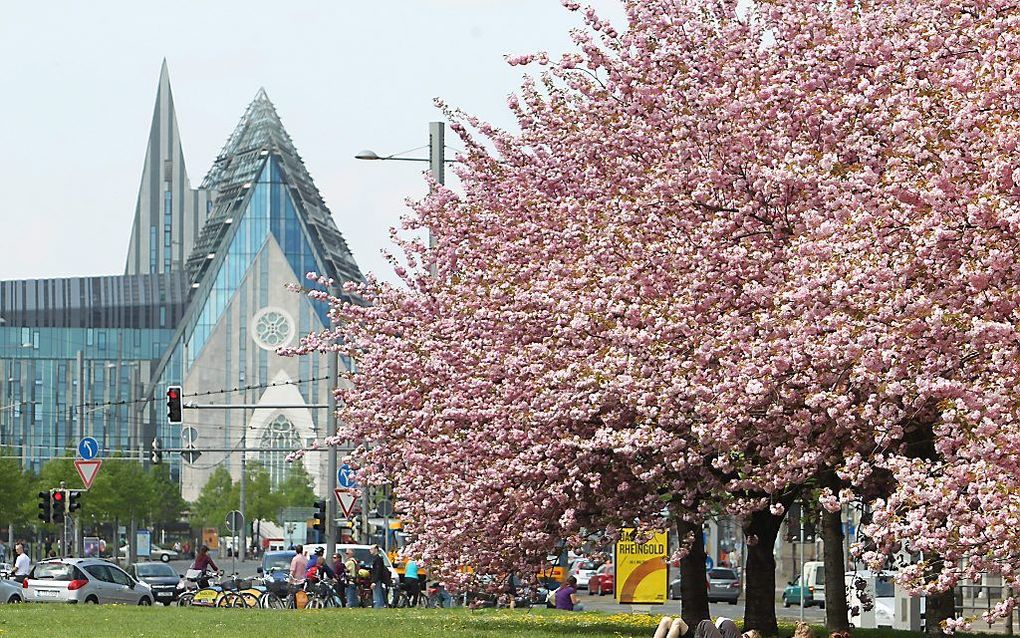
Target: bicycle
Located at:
point(206, 595)
point(404, 598)
point(322, 594)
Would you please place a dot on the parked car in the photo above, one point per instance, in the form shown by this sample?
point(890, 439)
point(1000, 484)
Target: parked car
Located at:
point(276, 564)
point(10, 591)
point(582, 569)
point(793, 592)
point(723, 585)
point(155, 553)
point(601, 582)
point(674, 589)
point(161, 579)
point(83, 580)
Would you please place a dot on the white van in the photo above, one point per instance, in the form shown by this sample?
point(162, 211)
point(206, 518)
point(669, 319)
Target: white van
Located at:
point(814, 578)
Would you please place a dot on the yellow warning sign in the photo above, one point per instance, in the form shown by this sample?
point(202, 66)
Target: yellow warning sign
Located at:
point(641, 573)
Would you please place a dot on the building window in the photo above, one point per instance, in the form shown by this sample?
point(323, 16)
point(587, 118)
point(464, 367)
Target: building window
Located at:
point(272, 328)
point(278, 439)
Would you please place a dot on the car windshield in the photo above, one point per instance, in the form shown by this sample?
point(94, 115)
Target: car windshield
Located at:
point(53, 571)
point(278, 561)
point(584, 564)
point(362, 555)
point(150, 570)
point(723, 574)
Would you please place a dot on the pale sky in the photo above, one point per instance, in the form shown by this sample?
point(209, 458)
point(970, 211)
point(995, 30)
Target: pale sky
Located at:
point(79, 83)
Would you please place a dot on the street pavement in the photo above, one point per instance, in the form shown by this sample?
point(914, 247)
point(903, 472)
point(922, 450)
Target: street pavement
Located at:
point(672, 608)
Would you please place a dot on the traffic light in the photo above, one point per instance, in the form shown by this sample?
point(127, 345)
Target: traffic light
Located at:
point(319, 523)
point(73, 501)
point(46, 511)
point(157, 452)
point(59, 505)
point(173, 404)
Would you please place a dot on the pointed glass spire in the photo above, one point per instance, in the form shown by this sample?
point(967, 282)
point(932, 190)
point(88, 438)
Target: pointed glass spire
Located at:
point(168, 213)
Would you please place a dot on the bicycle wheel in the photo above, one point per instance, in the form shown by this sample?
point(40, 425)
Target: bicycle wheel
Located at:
point(237, 601)
point(270, 600)
point(225, 599)
point(185, 599)
point(249, 599)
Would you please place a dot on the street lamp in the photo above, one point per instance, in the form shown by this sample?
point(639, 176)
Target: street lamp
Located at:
point(436, 159)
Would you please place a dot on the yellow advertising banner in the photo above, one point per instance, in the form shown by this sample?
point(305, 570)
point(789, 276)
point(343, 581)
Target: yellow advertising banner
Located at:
point(641, 571)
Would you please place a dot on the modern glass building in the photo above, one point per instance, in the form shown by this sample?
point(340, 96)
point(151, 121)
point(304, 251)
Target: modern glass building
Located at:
point(203, 303)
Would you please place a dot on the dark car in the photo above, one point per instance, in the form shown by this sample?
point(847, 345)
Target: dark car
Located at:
point(276, 564)
point(723, 585)
point(161, 579)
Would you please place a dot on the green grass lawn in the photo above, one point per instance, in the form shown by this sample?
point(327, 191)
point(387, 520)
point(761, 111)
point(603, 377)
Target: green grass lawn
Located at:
point(114, 621)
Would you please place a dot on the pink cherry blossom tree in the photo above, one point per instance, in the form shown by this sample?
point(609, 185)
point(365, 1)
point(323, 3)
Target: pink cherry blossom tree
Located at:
point(728, 254)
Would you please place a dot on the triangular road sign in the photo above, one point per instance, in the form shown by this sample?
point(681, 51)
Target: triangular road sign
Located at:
point(87, 470)
point(346, 499)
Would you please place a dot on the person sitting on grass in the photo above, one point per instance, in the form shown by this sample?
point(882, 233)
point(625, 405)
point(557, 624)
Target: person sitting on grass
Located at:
point(566, 595)
point(671, 628)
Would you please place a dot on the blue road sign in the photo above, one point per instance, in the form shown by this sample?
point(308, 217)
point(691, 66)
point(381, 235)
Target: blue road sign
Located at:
point(88, 448)
point(345, 477)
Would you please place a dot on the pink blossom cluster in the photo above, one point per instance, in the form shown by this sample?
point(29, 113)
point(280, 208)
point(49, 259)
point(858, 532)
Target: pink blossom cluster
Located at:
point(726, 252)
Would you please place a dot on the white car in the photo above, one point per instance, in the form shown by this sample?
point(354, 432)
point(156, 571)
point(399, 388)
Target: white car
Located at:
point(155, 553)
point(83, 580)
point(582, 569)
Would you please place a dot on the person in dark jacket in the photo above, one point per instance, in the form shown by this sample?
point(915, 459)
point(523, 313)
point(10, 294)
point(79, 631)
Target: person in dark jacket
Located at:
point(380, 577)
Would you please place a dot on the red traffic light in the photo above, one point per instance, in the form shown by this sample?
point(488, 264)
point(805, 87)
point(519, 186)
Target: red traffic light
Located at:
point(58, 497)
point(171, 393)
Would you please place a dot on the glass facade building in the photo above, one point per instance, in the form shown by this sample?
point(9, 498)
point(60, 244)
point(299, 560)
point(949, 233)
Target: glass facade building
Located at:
point(202, 304)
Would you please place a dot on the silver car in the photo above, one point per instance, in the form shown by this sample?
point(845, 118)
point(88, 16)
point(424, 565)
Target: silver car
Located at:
point(83, 580)
point(10, 591)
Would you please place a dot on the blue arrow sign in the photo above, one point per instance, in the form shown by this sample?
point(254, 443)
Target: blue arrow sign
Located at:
point(88, 448)
point(345, 477)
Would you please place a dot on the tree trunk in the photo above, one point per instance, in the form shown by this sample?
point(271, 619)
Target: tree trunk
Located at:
point(835, 570)
point(693, 578)
point(760, 577)
point(938, 607)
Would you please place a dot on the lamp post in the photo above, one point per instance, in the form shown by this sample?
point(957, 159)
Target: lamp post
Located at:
point(437, 168)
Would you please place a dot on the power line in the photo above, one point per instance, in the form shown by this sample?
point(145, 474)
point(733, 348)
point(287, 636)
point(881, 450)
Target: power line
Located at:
point(210, 392)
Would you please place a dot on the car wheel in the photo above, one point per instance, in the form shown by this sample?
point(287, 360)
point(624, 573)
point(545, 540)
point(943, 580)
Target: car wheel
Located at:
point(165, 558)
point(821, 605)
point(144, 601)
point(786, 601)
point(733, 602)
point(14, 599)
point(92, 600)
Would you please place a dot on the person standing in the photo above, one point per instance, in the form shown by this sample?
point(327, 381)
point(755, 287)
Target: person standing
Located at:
point(341, 579)
point(351, 566)
point(411, 582)
point(379, 577)
point(298, 567)
point(22, 564)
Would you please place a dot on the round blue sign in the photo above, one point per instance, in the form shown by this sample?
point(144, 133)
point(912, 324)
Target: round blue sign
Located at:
point(345, 476)
point(88, 448)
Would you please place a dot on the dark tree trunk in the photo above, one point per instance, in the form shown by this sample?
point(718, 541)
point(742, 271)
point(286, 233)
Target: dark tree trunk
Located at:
point(760, 577)
point(693, 579)
point(938, 607)
point(835, 568)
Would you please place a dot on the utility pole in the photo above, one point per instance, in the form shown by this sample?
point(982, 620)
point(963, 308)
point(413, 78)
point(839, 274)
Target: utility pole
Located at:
point(81, 393)
point(332, 367)
point(244, 480)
